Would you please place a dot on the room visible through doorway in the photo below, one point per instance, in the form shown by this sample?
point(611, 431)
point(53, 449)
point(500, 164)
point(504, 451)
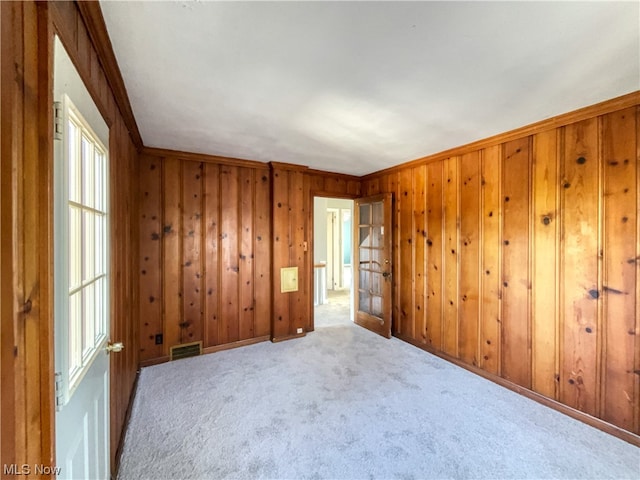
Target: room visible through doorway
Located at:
point(333, 251)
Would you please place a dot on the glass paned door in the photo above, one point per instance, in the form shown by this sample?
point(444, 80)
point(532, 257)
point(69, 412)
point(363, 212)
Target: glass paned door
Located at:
point(372, 228)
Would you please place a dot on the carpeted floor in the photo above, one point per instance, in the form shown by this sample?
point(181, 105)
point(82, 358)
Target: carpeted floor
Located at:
point(343, 403)
point(335, 312)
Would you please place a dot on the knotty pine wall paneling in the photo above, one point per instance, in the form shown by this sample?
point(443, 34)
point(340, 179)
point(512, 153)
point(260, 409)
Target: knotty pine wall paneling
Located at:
point(211, 233)
point(151, 255)
point(619, 277)
point(516, 348)
point(420, 297)
point(531, 260)
point(204, 252)
point(290, 232)
point(262, 255)
point(579, 251)
point(469, 257)
point(434, 256)
point(230, 237)
point(214, 233)
point(26, 330)
point(452, 256)
point(545, 264)
point(491, 265)
point(407, 240)
point(281, 244)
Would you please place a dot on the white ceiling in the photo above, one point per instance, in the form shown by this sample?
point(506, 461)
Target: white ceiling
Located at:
point(355, 87)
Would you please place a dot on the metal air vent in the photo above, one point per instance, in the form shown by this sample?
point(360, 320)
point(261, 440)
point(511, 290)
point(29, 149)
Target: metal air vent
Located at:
point(185, 350)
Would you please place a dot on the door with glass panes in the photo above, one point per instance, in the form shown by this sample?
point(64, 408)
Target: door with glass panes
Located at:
point(372, 259)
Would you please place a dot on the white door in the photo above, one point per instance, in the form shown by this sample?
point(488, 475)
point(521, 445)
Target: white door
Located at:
point(81, 281)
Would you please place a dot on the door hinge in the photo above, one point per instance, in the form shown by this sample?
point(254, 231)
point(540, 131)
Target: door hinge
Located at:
point(59, 393)
point(57, 121)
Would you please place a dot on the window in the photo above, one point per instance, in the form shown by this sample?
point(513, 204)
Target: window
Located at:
point(81, 247)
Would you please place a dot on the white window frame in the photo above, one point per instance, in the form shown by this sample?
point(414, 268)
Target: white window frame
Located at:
point(69, 371)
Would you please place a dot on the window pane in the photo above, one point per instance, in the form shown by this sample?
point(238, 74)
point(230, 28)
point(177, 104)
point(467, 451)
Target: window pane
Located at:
point(99, 178)
point(376, 237)
point(364, 280)
point(364, 302)
point(75, 332)
point(88, 245)
point(365, 214)
point(99, 254)
point(376, 306)
point(74, 163)
point(364, 240)
point(100, 314)
point(87, 172)
point(378, 213)
point(376, 283)
point(88, 320)
point(75, 247)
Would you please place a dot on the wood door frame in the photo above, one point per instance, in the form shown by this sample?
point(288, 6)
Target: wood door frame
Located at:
point(309, 258)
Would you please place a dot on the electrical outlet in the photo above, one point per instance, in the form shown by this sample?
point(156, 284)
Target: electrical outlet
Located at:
point(159, 339)
point(299, 330)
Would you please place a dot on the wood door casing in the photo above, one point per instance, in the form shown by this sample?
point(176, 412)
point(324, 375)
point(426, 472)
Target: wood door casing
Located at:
point(372, 258)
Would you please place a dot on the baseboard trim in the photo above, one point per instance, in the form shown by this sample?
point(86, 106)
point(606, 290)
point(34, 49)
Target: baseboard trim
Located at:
point(216, 348)
point(606, 427)
point(154, 361)
point(240, 343)
point(125, 425)
point(288, 337)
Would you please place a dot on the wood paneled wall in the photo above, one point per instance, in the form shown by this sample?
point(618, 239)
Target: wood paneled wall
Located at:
point(519, 257)
point(26, 343)
point(290, 242)
point(26, 329)
point(214, 233)
point(205, 252)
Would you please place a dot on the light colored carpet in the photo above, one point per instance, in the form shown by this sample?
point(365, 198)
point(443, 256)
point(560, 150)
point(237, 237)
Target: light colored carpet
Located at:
point(343, 403)
point(334, 313)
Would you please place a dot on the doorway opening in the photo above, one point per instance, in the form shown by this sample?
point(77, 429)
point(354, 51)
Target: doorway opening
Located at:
point(333, 261)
